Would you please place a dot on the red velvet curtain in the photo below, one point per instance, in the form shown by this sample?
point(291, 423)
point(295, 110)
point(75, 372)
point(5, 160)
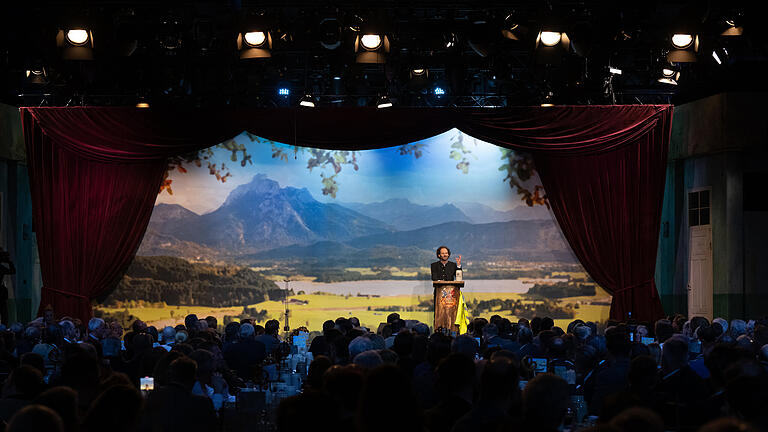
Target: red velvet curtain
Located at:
point(95, 173)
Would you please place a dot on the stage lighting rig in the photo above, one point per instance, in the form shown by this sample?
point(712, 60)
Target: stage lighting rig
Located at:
point(76, 43)
point(384, 102)
point(307, 101)
point(371, 47)
point(685, 46)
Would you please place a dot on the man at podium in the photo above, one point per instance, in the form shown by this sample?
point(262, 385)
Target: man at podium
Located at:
point(443, 269)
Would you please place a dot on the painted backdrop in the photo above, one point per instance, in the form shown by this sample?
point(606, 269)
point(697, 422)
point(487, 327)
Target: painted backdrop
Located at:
point(258, 229)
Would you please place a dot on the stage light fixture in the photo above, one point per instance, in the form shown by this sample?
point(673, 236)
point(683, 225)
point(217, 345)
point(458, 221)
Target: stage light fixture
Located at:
point(76, 43)
point(283, 91)
point(36, 76)
point(255, 43)
point(384, 102)
point(512, 29)
point(716, 57)
point(669, 76)
point(418, 72)
point(142, 103)
point(370, 42)
point(329, 30)
point(77, 37)
point(550, 38)
point(307, 101)
point(682, 40)
point(439, 91)
point(685, 47)
point(614, 71)
point(732, 29)
point(255, 39)
point(450, 40)
point(371, 48)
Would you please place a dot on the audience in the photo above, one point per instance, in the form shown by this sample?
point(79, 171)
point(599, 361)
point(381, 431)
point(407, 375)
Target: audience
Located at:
point(672, 374)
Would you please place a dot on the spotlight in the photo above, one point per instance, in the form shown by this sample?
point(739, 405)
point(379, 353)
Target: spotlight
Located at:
point(682, 40)
point(371, 47)
point(142, 103)
point(685, 46)
point(716, 57)
point(370, 42)
point(255, 39)
point(384, 102)
point(283, 91)
point(77, 37)
point(307, 101)
point(329, 30)
point(256, 43)
point(418, 72)
point(550, 38)
point(669, 76)
point(36, 76)
point(551, 45)
point(614, 71)
point(75, 43)
point(438, 91)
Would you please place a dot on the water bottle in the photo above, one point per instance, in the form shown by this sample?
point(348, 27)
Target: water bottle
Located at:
point(459, 274)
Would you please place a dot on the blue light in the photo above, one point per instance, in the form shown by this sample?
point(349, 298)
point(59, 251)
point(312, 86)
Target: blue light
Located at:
point(282, 91)
point(439, 91)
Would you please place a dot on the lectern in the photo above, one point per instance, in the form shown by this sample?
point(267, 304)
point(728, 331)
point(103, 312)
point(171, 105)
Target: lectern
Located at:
point(446, 303)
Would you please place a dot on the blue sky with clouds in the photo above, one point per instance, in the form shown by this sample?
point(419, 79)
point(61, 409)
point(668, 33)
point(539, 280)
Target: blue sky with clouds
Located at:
point(433, 179)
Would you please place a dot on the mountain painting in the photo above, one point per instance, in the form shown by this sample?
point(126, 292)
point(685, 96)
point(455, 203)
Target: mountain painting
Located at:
point(257, 229)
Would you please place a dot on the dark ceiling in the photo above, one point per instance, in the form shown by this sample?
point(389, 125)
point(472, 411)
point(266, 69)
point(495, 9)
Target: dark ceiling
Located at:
point(183, 53)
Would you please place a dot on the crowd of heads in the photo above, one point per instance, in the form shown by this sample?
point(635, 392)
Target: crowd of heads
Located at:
point(672, 374)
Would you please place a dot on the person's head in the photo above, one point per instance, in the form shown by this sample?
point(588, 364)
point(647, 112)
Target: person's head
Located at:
point(455, 376)
point(403, 344)
point(367, 359)
point(272, 327)
point(35, 418)
point(358, 345)
point(212, 322)
point(246, 332)
point(663, 330)
point(545, 402)
point(68, 330)
point(556, 348)
point(465, 345)
point(115, 409)
point(24, 382)
point(499, 380)
point(327, 325)
point(642, 374)
point(183, 371)
point(617, 341)
point(387, 385)
point(443, 253)
point(394, 316)
point(738, 327)
point(723, 324)
point(96, 328)
point(169, 335)
point(638, 419)
point(63, 400)
point(674, 353)
point(35, 360)
point(524, 335)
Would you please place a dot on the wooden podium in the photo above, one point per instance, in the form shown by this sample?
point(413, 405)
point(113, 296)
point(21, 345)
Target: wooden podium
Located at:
point(446, 303)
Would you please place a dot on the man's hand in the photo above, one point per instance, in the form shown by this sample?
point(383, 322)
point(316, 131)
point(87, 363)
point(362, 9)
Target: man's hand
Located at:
point(458, 261)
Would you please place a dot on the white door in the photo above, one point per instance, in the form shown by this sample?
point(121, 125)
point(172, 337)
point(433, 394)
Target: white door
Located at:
point(700, 296)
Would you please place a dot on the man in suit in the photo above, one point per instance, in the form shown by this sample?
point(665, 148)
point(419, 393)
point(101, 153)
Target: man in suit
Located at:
point(443, 269)
point(173, 407)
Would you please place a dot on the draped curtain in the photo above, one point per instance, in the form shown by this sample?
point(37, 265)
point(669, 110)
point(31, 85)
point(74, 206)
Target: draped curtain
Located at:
point(95, 173)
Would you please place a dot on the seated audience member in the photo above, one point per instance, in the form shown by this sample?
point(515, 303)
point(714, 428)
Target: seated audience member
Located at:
point(173, 407)
point(209, 383)
point(310, 411)
point(456, 387)
point(63, 400)
point(527, 347)
point(610, 376)
point(246, 354)
point(117, 409)
point(385, 385)
point(368, 360)
point(499, 390)
point(320, 345)
point(681, 393)
point(35, 418)
point(344, 385)
point(466, 345)
point(269, 339)
point(545, 403)
point(358, 345)
point(19, 389)
point(663, 330)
